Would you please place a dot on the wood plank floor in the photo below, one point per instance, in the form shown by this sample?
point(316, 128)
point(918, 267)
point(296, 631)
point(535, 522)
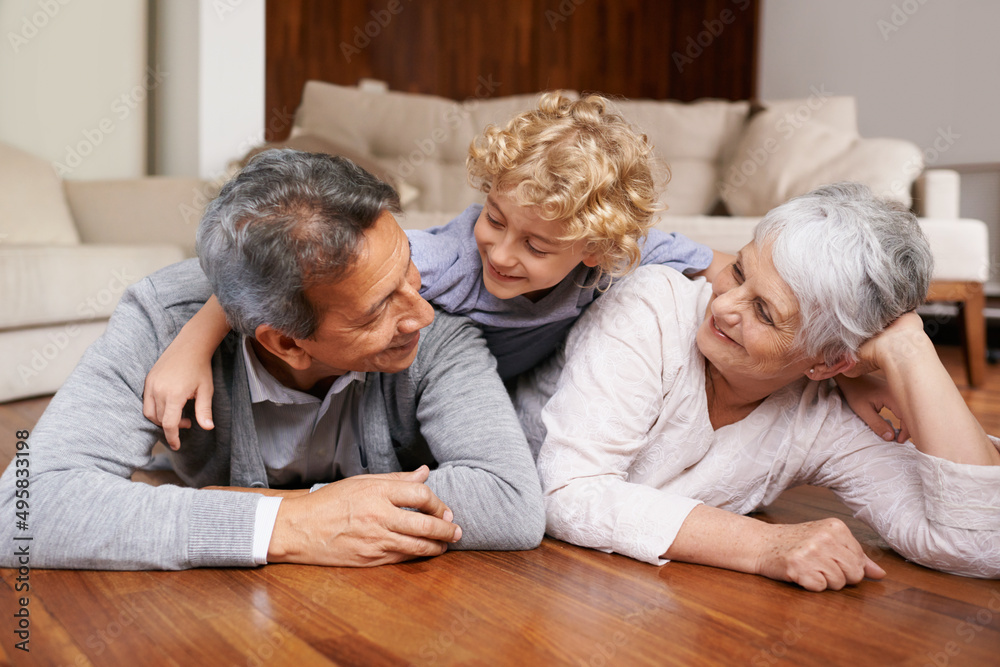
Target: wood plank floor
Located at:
point(558, 604)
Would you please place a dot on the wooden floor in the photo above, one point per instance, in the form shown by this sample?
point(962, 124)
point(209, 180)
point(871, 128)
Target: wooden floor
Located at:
point(555, 605)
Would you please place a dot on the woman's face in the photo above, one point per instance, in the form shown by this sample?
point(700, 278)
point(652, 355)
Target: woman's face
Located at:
point(751, 321)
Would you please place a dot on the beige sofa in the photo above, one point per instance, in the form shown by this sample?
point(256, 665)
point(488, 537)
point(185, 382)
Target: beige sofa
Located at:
point(718, 152)
point(68, 249)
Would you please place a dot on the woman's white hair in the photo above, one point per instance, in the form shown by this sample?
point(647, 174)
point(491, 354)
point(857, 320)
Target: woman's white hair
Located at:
point(854, 261)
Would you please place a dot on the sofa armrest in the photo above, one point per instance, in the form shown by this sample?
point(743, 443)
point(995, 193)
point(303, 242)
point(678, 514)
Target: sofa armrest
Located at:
point(156, 209)
point(936, 194)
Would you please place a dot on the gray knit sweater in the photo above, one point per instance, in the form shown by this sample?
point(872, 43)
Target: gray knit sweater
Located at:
point(449, 410)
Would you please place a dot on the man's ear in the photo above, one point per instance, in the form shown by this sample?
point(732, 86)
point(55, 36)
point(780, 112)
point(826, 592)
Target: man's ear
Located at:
point(823, 371)
point(283, 347)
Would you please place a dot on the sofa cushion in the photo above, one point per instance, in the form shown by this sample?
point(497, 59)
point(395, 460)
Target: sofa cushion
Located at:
point(692, 138)
point(838, 111)
point(314, 143)
point(420, 139)
point(43, 285)
point(33, 207)
point(776, 160)
point(959, 247)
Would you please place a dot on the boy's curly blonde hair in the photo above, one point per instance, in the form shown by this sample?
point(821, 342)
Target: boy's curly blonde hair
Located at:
point(579, 162)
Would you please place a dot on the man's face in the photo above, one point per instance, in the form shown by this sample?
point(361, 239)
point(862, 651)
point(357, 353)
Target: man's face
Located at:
point(370, 320)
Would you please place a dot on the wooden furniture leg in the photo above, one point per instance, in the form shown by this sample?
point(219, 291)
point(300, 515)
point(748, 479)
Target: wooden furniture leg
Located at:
point(971, 301)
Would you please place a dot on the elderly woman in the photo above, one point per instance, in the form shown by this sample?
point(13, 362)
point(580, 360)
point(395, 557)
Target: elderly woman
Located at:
point(683, 405)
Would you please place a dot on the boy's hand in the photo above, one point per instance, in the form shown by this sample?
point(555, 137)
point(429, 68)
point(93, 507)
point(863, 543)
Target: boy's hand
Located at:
point(172, 382)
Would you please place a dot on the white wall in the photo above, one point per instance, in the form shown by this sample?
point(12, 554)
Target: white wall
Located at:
point(915, 66)
point(920, 70)
point(175, 104)
point(74, 84)
point(212, 108)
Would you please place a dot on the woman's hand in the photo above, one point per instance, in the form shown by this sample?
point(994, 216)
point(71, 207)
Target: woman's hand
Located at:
point(867, 395)
point(816, 555)
point(904, 337)
point(928, 402)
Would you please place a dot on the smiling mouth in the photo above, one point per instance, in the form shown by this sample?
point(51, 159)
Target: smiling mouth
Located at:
point(501, 276)
point(722, 333)
point(408, 345)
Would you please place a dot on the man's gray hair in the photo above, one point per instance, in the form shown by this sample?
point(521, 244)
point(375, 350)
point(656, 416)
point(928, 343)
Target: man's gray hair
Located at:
point(854, 261)
point(289, 220)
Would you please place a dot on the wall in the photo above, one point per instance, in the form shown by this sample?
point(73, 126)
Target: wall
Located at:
point(458, 49)
point(75, 83)
point(913, 74)
point(211, 109)
point(922, 70)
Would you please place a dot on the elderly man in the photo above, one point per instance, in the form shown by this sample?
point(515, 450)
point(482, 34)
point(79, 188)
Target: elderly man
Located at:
point(336, 371)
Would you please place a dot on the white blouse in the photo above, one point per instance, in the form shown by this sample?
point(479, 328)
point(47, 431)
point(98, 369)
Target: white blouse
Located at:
point(629, 449)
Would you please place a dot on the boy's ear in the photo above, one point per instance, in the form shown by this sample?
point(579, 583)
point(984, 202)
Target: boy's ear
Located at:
point(591, 260)
point(283, 347)
point(823, 371)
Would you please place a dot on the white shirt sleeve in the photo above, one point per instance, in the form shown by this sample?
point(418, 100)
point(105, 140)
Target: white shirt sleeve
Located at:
point(939, 513)
point(263, 527)
point(598, 422)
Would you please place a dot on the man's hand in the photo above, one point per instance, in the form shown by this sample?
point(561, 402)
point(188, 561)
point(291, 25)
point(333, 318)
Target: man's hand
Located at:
point(360, 522)
point(816, 555)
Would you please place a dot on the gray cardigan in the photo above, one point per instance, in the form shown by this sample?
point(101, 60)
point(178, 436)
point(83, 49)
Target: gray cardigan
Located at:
point(449, 410)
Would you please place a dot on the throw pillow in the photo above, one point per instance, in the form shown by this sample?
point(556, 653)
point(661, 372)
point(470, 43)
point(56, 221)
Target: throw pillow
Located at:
point(312, 143)
point(777, 159)
point(33, 208)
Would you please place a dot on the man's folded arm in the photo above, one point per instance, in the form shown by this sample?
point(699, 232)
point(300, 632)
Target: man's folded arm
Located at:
point(83, 510)
point(485, 472)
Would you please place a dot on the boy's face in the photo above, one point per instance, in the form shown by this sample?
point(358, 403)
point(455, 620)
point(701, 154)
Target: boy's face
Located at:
point(521, 252)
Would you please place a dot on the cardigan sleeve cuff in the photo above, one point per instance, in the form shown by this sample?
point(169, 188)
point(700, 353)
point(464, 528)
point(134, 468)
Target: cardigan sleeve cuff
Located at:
point(221, 529)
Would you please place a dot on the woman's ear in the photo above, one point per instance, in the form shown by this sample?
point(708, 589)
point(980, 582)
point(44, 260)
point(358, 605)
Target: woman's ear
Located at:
point(283, 347)
point(824, 371)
